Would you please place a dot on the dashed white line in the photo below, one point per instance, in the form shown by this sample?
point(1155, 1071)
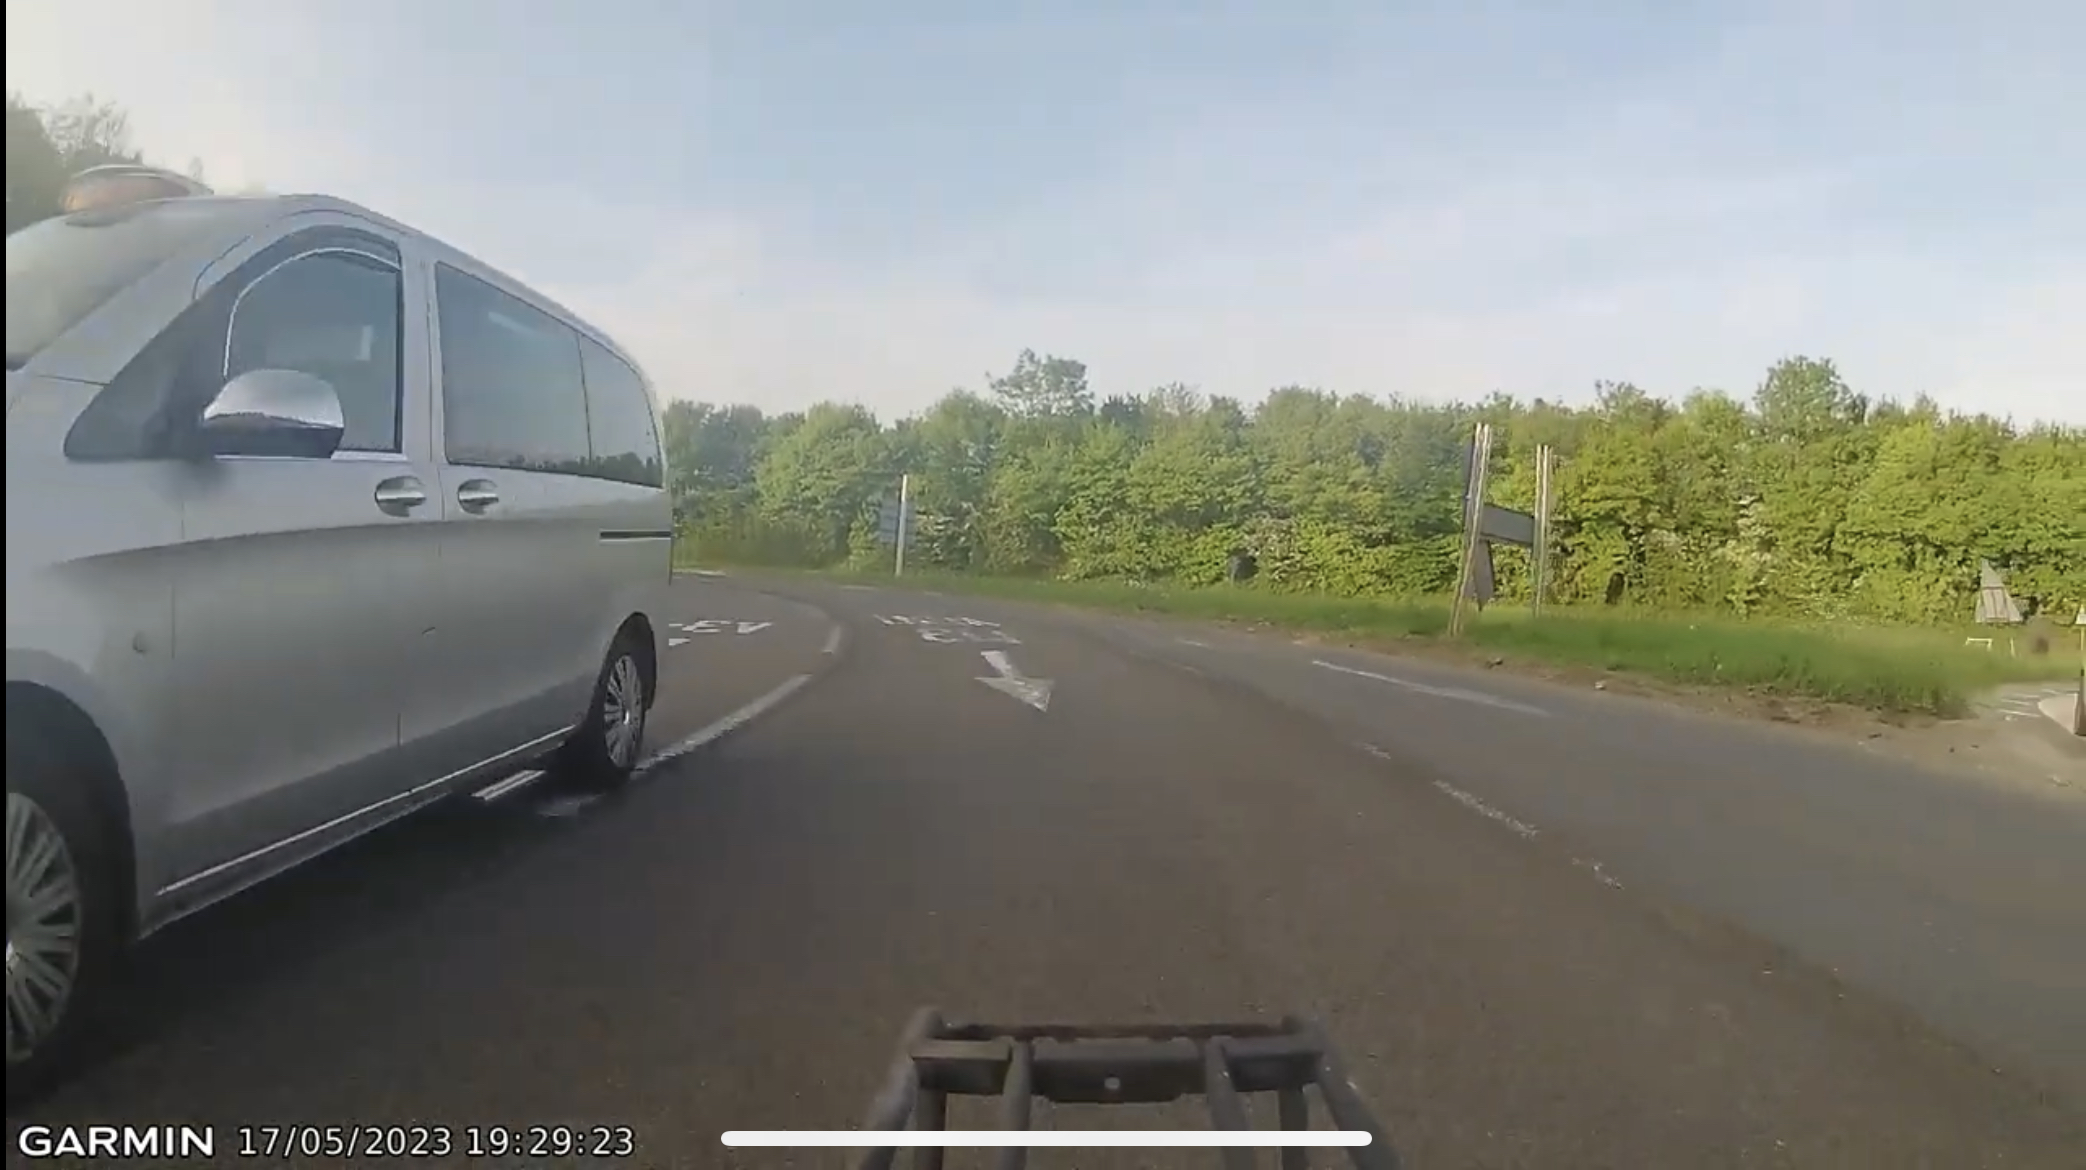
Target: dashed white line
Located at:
point(1457, 693)
point(1484, 810)
point(1521, 828)
point(1465, 799)
point(673, 642)
point(832, 645)
point(1600, 875)
point(1193, 642)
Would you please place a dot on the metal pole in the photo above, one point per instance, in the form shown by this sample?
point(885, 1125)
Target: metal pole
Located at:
point(905, 498)
point(1540, 558)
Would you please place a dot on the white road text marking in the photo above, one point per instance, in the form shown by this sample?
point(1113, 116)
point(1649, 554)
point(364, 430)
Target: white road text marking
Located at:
point(720, 626)
point(952, 629)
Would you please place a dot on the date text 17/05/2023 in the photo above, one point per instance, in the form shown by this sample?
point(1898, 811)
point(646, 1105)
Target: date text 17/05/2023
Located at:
point(293, 1140)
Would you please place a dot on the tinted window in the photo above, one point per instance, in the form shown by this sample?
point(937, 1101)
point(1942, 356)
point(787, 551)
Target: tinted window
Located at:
point(619, 419)
point(60, 270)
point(511, 389)
point(334, 315)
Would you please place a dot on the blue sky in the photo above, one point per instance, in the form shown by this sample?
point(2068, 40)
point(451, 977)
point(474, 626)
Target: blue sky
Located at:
point(785, 201)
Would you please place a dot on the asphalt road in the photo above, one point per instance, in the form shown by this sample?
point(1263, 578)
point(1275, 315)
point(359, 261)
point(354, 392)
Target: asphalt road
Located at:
point(1547, 929)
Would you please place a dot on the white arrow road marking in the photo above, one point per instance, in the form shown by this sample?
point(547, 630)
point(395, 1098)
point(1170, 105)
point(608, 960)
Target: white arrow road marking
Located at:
point(1478, 697)
point(1007, 679)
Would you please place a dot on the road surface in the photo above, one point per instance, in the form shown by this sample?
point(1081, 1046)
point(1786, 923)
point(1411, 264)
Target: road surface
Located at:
point(1547, 928)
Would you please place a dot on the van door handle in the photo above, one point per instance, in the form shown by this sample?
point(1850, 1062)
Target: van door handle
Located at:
point(400, 494)
point(477, 495)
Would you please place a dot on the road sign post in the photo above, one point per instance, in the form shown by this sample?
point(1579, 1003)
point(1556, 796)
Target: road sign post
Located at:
point(894, 523)
point(905, 506)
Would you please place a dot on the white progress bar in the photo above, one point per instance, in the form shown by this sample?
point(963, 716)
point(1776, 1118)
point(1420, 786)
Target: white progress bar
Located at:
point(863, 1139)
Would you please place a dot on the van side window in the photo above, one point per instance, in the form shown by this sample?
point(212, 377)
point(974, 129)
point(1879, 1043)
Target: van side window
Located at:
point(512, 394)
point(333, 314)
point(619, 419)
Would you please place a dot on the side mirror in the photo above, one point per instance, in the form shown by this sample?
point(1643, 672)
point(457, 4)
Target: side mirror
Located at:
point(284, 413)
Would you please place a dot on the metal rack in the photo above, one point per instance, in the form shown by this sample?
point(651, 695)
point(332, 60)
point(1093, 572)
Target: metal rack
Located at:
point(1119, 1064)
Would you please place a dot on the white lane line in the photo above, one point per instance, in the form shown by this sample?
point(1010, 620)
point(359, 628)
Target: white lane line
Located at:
point(673, 642)
point(1193, 642)
point(500, 788)
point(859, 588)
point(1456, 693)
point(726, 725)
point(1600, 875)
point(1484, 810)
point(699, 572)
point(567, 805)
point(1521, 828)
point(1467, 800)
point(832, 645)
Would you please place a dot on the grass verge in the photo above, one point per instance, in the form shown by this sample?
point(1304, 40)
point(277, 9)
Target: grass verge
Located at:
point(1890, 670)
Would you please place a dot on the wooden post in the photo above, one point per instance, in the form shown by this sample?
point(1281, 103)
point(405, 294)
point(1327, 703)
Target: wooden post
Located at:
point(1473, 516)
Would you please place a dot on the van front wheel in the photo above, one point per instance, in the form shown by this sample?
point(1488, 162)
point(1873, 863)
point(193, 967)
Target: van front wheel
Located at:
point(63, 939)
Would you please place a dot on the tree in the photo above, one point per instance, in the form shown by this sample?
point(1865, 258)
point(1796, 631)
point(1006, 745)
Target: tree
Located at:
point(1812, 500)
point(1044, 387)
point(46, 147)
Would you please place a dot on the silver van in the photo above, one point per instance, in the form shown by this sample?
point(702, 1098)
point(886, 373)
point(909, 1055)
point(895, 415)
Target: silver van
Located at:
point(311, 521)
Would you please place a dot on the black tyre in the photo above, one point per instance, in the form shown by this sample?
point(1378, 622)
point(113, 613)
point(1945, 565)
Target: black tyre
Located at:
point(64, 931)
point(609, 743)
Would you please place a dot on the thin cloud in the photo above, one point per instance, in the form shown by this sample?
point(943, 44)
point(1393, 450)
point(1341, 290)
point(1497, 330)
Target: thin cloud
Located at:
point(1444, 203)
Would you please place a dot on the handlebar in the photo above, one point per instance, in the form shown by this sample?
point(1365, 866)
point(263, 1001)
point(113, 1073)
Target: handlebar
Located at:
point(1123, 1064)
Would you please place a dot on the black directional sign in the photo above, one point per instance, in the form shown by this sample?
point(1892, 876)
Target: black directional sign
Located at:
point(888, 511)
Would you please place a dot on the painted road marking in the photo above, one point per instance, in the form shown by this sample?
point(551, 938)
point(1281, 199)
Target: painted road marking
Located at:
point(1456, 693)
point(1517, 826)
point(567, 805)
point(715, 626)
point(832, 645)
point(1007, 679)
point(976, 631)
point(724, 726)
